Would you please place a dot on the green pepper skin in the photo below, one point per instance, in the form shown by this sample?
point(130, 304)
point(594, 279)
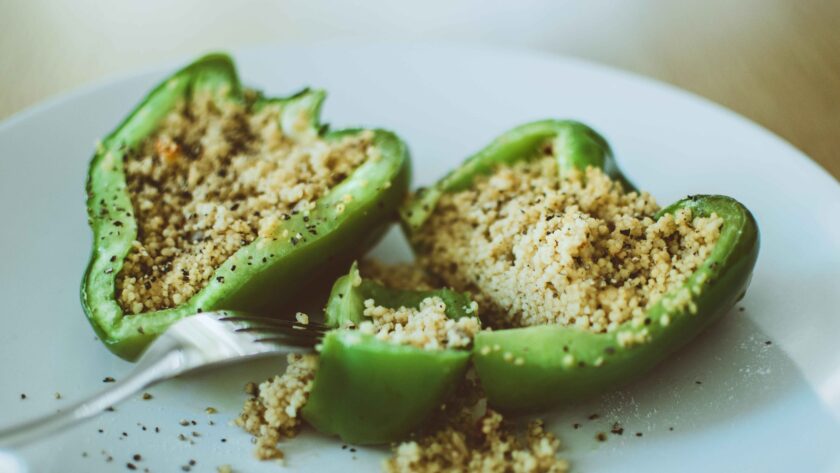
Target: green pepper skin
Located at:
point(533, 368)
point(263, 274)
point(369, 391)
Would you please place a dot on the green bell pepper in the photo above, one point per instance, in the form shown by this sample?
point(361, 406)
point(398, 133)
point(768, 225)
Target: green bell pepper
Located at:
point(264, 273)
point(370, 391)
point(531, 368)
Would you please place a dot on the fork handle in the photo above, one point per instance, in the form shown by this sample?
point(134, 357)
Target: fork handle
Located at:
point(149, 370)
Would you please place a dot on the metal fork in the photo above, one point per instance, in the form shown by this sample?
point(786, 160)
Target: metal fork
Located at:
point(201, 341)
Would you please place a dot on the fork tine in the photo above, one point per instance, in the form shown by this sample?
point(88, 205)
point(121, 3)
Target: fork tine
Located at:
point(297, 328)
point(289, 341)
point(254, 320)
point(292, 332)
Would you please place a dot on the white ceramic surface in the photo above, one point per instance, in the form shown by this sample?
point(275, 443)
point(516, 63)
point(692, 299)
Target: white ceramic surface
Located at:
point(758, 406)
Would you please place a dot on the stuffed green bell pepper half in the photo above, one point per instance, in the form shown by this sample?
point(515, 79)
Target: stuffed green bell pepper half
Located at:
point(211, 196)
point(586, 281)
point(391, 361)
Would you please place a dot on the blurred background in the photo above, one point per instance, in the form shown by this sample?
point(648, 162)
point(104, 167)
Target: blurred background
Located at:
point(775, 61)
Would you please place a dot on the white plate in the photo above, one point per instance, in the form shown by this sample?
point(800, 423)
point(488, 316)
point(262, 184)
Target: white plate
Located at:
point(760, 407)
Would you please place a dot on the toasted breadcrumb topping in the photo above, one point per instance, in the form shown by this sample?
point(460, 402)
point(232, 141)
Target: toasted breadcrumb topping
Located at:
point(538, 248)
point(214, 177)
point(271, 415)
point(426, 326)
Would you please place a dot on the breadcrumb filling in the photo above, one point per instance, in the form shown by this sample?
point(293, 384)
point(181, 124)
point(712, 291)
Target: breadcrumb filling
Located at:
point(215, 176)
point(537, 248)
point(426, 326)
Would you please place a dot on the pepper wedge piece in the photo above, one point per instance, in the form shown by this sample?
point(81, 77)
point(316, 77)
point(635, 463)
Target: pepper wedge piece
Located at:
point(268, 271)
point(532, 368)
point(370, 391)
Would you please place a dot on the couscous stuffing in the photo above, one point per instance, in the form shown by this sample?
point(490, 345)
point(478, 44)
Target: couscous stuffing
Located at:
point(406, 276)
point(271, 415)
point(533, 248)
point(466, 436)
point(536, 248)
point(489, 447)
point(214, 177)
point(426, 326)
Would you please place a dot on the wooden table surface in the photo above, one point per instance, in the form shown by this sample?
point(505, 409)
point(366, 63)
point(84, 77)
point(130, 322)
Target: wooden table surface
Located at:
point(775, 61)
